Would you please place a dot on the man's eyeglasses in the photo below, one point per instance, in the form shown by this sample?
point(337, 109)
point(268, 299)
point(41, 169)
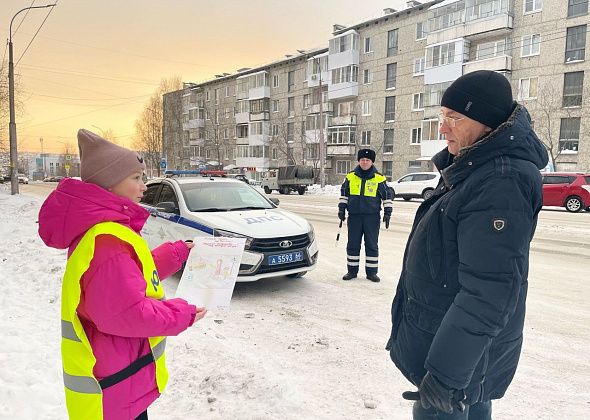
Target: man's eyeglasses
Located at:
point(450, 121)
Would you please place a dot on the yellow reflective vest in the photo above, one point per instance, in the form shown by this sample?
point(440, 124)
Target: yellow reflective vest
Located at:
point(83, 391)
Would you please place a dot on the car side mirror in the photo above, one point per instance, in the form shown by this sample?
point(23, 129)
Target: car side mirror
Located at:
point(167, 207)
point(274, 200)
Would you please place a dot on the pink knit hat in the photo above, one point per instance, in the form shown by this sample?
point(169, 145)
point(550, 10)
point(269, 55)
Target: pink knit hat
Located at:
point(104, 163)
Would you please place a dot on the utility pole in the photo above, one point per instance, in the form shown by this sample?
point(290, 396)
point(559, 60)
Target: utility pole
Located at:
point(322, 144)
point(12, 123)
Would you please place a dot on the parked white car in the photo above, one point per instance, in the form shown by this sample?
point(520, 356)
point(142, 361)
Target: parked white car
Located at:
point(23, 179)
point(278, 242)
point(415, 185)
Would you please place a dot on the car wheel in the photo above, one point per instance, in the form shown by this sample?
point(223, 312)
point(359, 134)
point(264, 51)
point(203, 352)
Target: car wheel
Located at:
point(267, 190)
point(297, 275)
point(301, 190)
point(573, 204)
point(426, 194)
point(407, 198)
point(285, 190)
point(587, 209)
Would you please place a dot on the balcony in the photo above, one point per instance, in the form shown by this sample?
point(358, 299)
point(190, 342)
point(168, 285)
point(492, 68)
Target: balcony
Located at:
point(343, 90)
point(326, 107)
point(429, 148)
point(500, 63)
point(343, 120)
point(259, 92)
point(483, 20)
point(196, 142)
point(341, 149)
point(192, 124)
point(242, 117)
point(260, 116)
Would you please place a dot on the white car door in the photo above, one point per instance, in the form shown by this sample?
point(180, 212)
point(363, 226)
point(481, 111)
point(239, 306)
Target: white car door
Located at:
point(403, 185)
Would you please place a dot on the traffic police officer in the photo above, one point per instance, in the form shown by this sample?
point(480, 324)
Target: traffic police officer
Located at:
point(362, 193)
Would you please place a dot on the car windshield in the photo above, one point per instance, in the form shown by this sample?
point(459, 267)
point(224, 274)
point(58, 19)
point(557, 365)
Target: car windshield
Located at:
point(220, 196)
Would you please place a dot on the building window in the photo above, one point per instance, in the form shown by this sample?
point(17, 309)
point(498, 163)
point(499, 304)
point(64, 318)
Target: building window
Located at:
point(440, 55)
point(306, 101)
point(242, 131)
point(368, 45)
point(259, 105)
point(365, 138)
point(227, 113)
point(419, 66)
point(367, 76)
point(342, 167)
point(389, 108)
point(430, 130)
point(527, 88)
point(290, 132)
point(392, 38)
point(344, 109)
point(391, 76)
point(291, 106)
point(532, 6)
point(573, 86)
point(388, 140)
point(420, 30)
point(342, 135)
point(343, 43)
point(275, 154)
point(577, 8)
point(575, 44)
point(227, 91)
point(418, 102)
point(366, 107)
point(275, 129)
point(490, 49)
point(275, 106)
point(275, 81)
point(414, 166)
point(345, 74)
point(216, 96)
point(416, 135)
point(387, 168)
point(434, 93)
point(290, 80)
point(569, 134)
point(207, 96)
point(531, 45)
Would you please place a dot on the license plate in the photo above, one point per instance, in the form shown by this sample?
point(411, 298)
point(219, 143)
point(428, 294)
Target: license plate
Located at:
point(289, 257)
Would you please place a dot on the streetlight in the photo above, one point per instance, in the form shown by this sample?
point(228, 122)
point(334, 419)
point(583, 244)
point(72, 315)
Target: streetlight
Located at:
point(12, 123)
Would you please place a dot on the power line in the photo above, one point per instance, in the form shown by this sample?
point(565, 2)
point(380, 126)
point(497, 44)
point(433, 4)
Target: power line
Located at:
point(40, 26)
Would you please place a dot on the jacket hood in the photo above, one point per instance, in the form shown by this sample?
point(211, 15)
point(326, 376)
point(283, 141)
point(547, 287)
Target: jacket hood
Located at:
point(514, 138)
point(76, 206)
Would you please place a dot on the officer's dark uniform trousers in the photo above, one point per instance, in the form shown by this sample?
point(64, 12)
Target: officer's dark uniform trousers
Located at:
point(360, 225)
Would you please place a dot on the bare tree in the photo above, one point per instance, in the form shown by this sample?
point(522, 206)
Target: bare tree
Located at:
point(548, 111)
point(149, 125)
point(286, 137)
point(215, 140)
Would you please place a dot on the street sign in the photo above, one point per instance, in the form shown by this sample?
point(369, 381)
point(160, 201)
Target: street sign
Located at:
point(68, 157)
point(163, 163)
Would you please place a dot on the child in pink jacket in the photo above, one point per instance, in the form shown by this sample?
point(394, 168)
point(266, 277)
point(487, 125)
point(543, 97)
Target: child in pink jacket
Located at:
point(114, 311)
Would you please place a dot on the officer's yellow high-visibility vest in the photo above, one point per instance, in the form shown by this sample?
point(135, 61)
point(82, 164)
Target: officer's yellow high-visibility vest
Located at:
point(371, 185)
point(83, 391)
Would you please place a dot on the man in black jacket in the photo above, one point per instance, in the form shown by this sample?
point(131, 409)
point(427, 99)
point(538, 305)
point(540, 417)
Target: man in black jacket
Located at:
point(458, 312)
point(361, 194)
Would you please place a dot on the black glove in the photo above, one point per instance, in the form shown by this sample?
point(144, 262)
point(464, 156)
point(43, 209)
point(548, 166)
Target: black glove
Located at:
point(433, 393)
point(341, 215)
point(386, 218)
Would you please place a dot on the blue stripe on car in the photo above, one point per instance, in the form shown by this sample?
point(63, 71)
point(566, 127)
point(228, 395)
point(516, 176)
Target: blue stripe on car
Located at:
point(180, 220)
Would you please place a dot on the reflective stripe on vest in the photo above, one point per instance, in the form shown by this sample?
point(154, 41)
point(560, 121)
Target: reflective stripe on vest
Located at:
point(371, 185)
point(83, 393)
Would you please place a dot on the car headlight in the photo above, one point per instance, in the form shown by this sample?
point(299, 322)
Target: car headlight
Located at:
point(228, 234)
point(311, 233)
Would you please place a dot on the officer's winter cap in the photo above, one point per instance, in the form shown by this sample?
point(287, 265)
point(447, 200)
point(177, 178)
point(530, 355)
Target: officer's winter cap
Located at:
point(483, 95)
point(104, 163)
point(366, 153)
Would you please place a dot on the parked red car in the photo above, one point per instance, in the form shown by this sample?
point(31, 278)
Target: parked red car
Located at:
point(566, 189)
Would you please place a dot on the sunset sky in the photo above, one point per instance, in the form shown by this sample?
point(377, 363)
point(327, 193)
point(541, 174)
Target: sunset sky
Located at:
point(95, 62)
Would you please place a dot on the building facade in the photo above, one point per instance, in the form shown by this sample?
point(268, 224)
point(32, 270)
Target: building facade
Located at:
point(379, 84)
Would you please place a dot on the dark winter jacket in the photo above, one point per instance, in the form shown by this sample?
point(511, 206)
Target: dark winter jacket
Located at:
point(460, 303)
point(363, 191)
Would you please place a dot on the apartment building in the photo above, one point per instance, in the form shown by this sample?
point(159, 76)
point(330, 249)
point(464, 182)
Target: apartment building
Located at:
point(379, 84)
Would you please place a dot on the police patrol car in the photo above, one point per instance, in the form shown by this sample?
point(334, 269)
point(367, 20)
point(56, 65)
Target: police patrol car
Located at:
point(278, 242)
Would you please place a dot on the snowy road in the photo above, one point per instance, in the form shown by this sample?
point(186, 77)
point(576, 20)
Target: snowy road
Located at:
point(310, 348)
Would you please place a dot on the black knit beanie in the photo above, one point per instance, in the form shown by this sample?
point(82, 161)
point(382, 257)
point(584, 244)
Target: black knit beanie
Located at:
point(366, 153)
point(483, 95)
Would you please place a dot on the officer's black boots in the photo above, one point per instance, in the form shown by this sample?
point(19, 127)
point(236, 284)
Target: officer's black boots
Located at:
point(348, 276)
point(374, 278)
